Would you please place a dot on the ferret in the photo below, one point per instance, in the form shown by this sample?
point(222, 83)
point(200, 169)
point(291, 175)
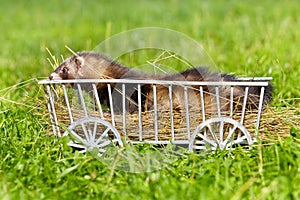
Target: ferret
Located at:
point(91, 65)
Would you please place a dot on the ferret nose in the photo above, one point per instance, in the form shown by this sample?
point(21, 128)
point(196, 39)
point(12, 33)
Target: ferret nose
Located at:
point(54, 76)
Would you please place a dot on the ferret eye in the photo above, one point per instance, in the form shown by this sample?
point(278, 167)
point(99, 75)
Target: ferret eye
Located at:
point(64, 70)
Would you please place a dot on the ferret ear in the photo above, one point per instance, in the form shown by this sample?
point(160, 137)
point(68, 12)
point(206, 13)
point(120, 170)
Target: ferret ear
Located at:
point(79, 61)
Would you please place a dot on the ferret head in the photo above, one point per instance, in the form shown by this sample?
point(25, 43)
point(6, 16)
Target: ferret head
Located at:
point(84, 65)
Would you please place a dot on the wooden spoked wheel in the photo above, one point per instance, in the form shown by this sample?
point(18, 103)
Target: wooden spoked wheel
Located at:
point(88, 133)
point(221, 132)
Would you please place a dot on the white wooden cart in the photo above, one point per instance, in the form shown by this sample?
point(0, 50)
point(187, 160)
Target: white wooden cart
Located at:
point(90, 125)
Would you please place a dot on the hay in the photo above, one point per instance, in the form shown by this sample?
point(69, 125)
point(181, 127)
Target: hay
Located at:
point(278, 122)
point(274, 122)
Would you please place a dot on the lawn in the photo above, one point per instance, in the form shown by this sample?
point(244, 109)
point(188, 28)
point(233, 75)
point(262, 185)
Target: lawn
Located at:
point(242, 37)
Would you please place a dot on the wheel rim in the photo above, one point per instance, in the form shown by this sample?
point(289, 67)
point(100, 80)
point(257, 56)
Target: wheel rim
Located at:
point(222, 133)
point(89, 133)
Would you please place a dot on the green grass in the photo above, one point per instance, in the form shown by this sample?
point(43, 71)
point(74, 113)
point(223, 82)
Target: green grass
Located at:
point(244, 37)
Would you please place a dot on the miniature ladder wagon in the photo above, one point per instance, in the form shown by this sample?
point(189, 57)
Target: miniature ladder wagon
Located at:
point(217, 118)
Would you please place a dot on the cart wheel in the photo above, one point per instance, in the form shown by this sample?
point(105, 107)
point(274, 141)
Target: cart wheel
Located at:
point(221, 132)
point(89, 133)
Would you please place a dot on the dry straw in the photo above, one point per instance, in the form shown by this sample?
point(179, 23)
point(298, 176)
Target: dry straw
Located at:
point(274, 123)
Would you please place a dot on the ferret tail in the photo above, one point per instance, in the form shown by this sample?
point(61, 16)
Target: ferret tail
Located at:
point(254, 92)
point(268, 93)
